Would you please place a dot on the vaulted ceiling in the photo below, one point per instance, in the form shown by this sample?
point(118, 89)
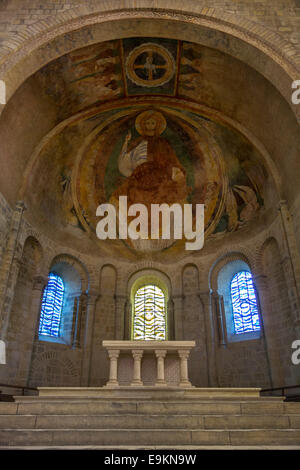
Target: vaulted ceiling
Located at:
point(72, 118)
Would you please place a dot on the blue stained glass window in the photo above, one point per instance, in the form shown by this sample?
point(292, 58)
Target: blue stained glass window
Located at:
point(244, 304)
point(52, 304)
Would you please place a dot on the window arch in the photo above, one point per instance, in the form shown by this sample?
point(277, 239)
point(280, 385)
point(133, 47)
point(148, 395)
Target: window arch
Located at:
point(149, 320)
point(244, 303)
point(52, 305)
point(238, 301)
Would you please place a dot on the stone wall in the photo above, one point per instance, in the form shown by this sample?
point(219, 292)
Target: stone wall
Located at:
point(5, 215)
point(295, 213)
point(18, 18)
point(258, 362)
point(29, 254)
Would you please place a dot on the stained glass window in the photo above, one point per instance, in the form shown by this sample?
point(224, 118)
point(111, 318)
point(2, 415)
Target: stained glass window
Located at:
point(149, 314)
point(244, 304)
point(52, 304)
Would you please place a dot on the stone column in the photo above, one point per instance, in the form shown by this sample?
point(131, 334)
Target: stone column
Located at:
point(291, 263)
point(120, 316)
point(74, 321)
point(91, 301)
point(160, 356)
point(80, 304)
point(210, 335)
point(178, 317)
point(39, 284)
point(184, 375)
point(170, 320)
point(128, 320)
point(137, 357)
point(10, 268)
point(113, 368)
point(218, 307)
point(261, 287)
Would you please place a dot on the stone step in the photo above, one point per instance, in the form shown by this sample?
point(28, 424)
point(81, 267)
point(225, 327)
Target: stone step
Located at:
point(97, 407)
point(137, 421)
point(147, 437)
point(150, 392)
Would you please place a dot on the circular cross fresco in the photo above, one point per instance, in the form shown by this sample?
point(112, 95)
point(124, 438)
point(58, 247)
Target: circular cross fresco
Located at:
point(150, 65)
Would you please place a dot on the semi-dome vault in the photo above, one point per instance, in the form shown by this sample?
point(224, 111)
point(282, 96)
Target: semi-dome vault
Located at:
point(161, 102)
point(102, 95)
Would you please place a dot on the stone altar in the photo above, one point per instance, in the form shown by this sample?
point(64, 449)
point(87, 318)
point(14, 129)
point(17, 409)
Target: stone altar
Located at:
point(148, 363)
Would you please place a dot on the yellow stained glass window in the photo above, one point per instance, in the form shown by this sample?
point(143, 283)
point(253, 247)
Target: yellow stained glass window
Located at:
point(149, 321)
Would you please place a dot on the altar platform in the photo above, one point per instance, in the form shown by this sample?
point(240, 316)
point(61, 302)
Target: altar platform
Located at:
point(139, 409)
point(148, 418)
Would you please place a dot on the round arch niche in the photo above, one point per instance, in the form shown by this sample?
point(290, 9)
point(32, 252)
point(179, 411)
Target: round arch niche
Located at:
point(144, 278)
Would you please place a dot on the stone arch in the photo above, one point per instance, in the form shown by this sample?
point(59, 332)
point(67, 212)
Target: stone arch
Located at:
point(32, 256)
point(50, 368)
point(259, 261)
point(149, 275)
point(193, 323)
point(190, 278)
point(24, 309)
point(105, 313)
point(73, 311)
point(248, 36)
point(108, 280)
point(251, 345)
point(29, 271)
point(272, 266)
point(139, 279)
point(76, 264)
point(228, 33)
point(277, 312)
point(221, 262)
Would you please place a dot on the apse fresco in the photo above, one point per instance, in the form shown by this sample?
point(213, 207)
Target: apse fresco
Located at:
point(84, 77)
point(138, 131)
point(180, 163)
point(150, 64)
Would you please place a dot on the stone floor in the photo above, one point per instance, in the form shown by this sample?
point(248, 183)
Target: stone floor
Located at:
point(149, 418)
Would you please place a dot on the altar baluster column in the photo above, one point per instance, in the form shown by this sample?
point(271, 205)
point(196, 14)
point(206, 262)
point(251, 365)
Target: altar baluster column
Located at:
point(113, 368)
point(160, 356)
point(137, 358)
point(184, 376)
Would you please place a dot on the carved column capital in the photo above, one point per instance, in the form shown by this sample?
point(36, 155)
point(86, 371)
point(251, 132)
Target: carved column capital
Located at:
point(39, 282)
point(282, 204)
point(177, 298)
point(20, 206)
point(137, 353)
point(160, 353)
point(260, 281)
point(121, 297)
point(92, 295)
point(183, 353)
point(113, 353)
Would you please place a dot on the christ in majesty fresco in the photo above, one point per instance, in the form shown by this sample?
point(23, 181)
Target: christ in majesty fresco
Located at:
point(154, 173)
